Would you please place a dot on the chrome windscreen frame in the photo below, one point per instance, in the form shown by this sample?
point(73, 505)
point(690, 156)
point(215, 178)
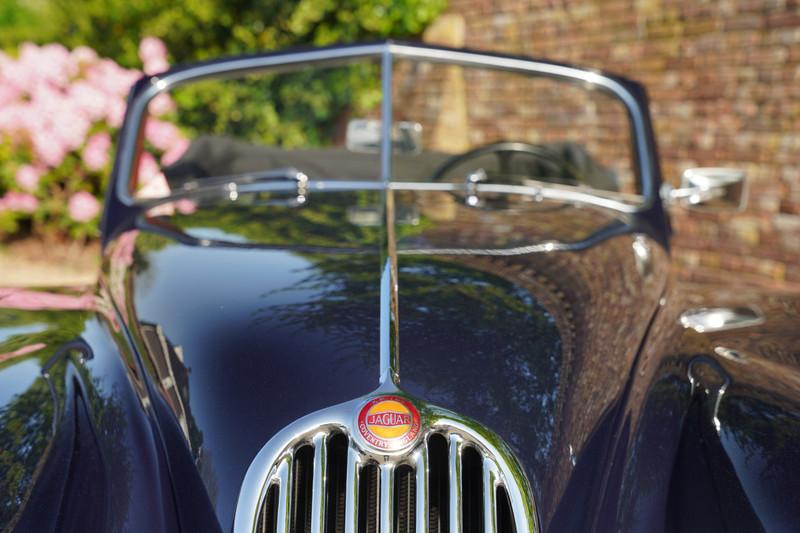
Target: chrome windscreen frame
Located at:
point(629, 93)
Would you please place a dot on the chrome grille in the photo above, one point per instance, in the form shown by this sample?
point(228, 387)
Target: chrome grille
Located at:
point(458, 478)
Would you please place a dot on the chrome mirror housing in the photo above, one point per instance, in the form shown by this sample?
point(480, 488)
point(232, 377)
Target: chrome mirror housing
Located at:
point(712, 188)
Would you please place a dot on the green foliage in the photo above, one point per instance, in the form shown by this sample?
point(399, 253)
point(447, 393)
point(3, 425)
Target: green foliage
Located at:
point(292, 109)
point(299, 111)
point(20, 21)
point(202, 29)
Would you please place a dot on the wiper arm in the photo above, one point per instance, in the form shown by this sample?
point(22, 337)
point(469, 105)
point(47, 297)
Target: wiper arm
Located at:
point(231, 186)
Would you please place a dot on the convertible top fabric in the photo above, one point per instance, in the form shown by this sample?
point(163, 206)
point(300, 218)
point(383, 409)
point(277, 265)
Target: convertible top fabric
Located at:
point(220, 156)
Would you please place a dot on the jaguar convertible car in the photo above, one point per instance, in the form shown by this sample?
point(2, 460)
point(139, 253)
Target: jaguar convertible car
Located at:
point(449, 308)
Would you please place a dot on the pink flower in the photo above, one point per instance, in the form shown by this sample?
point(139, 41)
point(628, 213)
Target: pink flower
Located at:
point(84, 54)
point(152, 48)
point(83, 206)
point(111, 78)
point(48, 148)
point(162, 135)
point(27, 177)
point(148, 169)
point(160, 105)
point(19, 201)
point(71, 126)
point(155, 66)
point(14, 117)
point(95, 155)
point(8, 93)
point(49, 64)
point(153, 53)
point(115, 112)
point(89, 99)
point(175, 152)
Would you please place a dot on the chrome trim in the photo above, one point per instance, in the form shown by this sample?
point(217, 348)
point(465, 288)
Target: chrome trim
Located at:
point(386, 114)
point(712, 319)
point(471, 186)
point(319, 482)
point(539, 193)
point(696, 383)
point(386, 498)
point(386, 369)
point(386, 51)
point(489, 497)
point(454, 468)
point(284, 478)
point(421, 503)
point(389, 306)
point(272, 465)
point(351, 490)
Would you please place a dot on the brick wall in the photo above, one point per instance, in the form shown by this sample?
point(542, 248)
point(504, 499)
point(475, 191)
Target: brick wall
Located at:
point(724, 81)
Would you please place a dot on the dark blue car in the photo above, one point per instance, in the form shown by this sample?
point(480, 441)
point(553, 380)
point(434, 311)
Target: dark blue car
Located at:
point(452, 310)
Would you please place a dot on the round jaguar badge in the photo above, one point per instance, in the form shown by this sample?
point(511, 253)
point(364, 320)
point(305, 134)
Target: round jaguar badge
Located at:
point(388, 423)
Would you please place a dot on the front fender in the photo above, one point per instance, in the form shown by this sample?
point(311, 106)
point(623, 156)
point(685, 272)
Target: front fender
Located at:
point(78, 448)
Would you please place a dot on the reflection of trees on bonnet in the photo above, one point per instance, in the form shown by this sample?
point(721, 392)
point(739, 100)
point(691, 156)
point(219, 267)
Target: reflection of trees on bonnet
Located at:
point(345, 303)
point(503, 360)
point(322, 222)
point(26, 420)
point(25, 432)
point(765, 431)
point(482, 346)
point(34, 420)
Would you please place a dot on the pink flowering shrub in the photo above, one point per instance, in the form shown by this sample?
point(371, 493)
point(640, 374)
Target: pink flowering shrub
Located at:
point(59, 113)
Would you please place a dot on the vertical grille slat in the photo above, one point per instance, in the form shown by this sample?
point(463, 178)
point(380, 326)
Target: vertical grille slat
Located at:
point(284, 475)
point(455, 464)
point(422, 498)
point(489, 497)
point(352, 491)
point(387, 498)
point(448, 483)
point(318, 483)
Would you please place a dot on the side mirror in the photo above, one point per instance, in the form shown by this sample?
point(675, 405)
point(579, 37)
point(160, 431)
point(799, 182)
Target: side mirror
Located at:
point(712, 188)
point(364, 135)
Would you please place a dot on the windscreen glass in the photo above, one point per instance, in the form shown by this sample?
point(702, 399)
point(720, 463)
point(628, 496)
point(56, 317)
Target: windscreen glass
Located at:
point(515, 128)
point(258, 123)
point(450, 124)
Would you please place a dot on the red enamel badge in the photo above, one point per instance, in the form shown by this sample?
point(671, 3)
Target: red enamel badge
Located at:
point(388, 423)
